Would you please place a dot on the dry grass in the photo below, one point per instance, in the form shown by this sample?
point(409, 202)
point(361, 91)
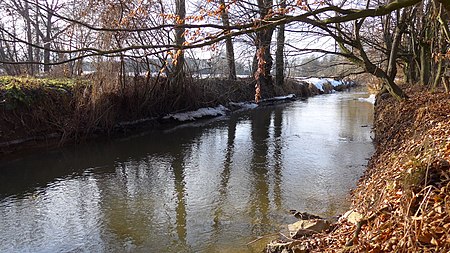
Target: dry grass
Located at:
point(76, 110)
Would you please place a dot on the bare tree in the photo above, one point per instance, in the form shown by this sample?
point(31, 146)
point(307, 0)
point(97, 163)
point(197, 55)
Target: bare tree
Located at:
point(146, 31)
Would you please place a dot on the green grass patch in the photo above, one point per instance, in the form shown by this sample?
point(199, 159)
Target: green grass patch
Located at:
point(31, 82)
point(23, 91)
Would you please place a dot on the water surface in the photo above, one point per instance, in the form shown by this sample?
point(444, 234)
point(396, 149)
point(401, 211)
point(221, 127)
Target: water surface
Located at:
point(210, 187)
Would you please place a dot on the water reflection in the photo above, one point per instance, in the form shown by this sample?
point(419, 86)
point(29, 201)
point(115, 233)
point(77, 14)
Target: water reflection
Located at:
point(179, 182)
point(277, 158)
point(259, 198)
point(212, 188)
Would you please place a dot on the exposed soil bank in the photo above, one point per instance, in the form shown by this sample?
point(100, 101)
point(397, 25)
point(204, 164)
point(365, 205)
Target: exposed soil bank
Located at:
point(404, 197)
point(38, 113)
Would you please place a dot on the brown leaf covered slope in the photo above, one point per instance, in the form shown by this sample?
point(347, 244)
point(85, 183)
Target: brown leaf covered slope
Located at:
point(405, 193)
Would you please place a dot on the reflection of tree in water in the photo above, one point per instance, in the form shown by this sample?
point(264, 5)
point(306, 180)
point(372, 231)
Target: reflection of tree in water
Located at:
point(352, 115)
point(351, 149)
point(129, 199)
point(123, 206)
point(130, 215)
point(259, 198)
point(225, 174)
point(180, 184)
point(277, 156)
point(224, 181)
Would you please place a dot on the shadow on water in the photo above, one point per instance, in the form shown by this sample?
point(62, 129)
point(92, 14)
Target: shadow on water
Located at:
point(33, 171)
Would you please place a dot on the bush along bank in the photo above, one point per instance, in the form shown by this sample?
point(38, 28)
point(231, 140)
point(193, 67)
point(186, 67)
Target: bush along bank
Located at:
point(47, 112)
point(402, 203)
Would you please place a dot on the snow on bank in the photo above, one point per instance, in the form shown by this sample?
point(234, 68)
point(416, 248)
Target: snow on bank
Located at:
point(320, 82)
point(243, 105)
point(221, 110)
point(288, 97)
point(370, 99)
point(200, 113)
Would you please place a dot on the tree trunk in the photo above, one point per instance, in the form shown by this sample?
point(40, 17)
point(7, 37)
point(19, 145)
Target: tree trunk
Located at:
point(228, 44)
point(438, 72)
point(37, 50)
point(389, 82)
point(397, 38)
point(425, 64)
point(180, 6)
point(446, 82)
point(279, 55)
point(265, 61)
point(29, 38)
point(47, 41)
point(370, 67)
point(4, 57)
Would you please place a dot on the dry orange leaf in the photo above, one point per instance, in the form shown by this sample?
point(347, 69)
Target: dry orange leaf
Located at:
point(425, 238)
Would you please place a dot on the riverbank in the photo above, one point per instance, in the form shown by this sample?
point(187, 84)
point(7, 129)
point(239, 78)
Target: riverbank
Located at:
point(44, 112)
point(402, 203)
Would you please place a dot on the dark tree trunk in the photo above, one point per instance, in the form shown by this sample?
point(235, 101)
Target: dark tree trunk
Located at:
point(425, 64)
point(37, 50)
point(228, 45)
point(364, 62)
point(389, 82)
point(47, 40)
point(180, 6)
point(4, 57)
point(279, 55)
point(29, 38)
point(446, 5)
point(265, 61)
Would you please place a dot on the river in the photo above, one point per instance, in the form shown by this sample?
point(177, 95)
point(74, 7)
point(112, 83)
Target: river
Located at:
point(210, 186)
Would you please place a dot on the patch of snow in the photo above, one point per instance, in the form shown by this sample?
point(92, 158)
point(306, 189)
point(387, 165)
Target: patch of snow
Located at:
point(319, 82)
point(370, 99)
point(335, 83)
point(200, 113)
point(290, 96)
point(316, 82)
point(244, 105)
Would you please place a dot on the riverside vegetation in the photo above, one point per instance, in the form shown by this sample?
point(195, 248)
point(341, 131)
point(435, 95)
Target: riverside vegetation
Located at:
point(49, 111)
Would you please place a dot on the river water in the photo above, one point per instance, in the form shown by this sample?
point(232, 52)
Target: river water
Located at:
point(211, 186)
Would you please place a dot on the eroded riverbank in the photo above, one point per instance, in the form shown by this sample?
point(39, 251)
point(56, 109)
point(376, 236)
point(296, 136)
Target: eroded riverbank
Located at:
point(403, 200)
